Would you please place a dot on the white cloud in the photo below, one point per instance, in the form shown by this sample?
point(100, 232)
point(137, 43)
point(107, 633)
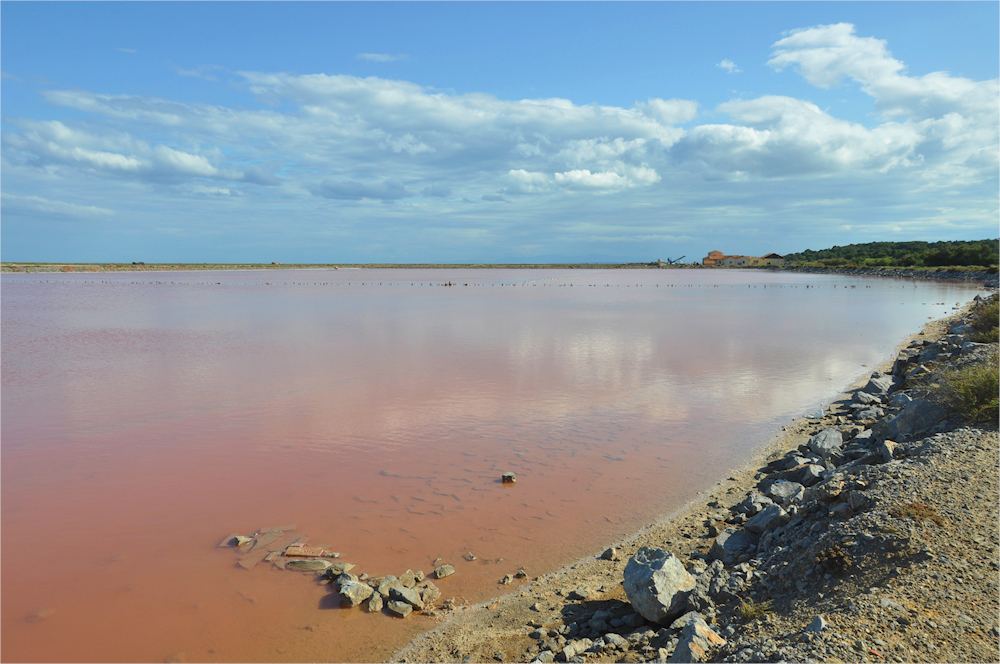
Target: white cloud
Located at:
point(335, 142)
point(379, 57)
point(14, 204)
point(729, 66)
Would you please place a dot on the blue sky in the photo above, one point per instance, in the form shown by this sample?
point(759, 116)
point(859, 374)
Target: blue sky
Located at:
point(492, 132)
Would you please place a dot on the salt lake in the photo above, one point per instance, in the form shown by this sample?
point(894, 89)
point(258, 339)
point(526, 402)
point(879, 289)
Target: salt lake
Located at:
point(147, 415)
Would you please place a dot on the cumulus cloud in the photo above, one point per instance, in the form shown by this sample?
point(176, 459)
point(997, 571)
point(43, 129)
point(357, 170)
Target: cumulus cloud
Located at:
point(729, 66)
point(825, 55)
point(355, 141)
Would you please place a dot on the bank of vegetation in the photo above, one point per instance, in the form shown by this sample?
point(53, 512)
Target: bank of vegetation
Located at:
point(978, 255)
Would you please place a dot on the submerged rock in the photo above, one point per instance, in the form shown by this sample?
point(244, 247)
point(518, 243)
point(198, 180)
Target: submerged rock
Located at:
point(309, 565)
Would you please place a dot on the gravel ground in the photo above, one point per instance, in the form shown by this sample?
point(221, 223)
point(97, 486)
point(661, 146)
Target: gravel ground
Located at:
point(898, 559)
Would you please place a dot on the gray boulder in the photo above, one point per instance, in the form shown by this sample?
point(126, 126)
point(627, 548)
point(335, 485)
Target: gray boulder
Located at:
point(784, 492)
point(353, 593)
point(807, 475)
point(753, 504)
point(697, 639)
point(865, 398)
point(961, 328)
point(375, 603)
point(731, 544)
point(769, 519)
point(903, 361)
point(879, 385)
point(917, 417)
point(868, 414)
point(657, 584)
point(899, 400)
point(827, 442)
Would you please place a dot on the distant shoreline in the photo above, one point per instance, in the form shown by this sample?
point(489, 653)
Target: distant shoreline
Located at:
point(988, 279)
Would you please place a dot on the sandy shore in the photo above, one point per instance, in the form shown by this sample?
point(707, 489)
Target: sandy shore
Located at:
point(513, 627)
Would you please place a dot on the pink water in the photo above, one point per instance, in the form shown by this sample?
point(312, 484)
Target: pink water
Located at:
point(146, 416)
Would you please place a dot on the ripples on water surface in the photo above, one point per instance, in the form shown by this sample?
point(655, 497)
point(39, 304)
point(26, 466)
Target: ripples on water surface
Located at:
point(146, 415)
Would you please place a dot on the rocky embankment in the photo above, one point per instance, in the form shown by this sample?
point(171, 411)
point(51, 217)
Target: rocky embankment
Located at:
point(988, 279)
point(867, 535)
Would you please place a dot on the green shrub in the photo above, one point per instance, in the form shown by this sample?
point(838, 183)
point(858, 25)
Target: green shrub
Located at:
point(986, 322)
point(972, 391)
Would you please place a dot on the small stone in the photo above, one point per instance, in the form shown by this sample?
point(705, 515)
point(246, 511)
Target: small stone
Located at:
point(331, 554)
point(886, 449)
point(521, 574)
point(536, 607)
point(444, 570)
point(419, 575)
point(610, 554)
point(468, 556)
point(508, 478)
point(578, 594)
point(375, 603)
point(507, 579)
point(546, 657)
point(818, 624)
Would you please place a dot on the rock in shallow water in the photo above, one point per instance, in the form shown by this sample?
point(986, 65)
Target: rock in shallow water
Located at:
point(443, 571)
point(401, 609)
point(657, 584)
point(353, 593)
point(309, 565)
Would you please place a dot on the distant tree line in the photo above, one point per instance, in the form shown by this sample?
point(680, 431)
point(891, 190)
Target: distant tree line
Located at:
point(975, 253)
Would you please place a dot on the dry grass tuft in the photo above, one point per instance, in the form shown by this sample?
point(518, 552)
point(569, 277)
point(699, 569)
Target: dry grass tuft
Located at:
point(750, 610)
point(918, 512)
point(834, 559)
